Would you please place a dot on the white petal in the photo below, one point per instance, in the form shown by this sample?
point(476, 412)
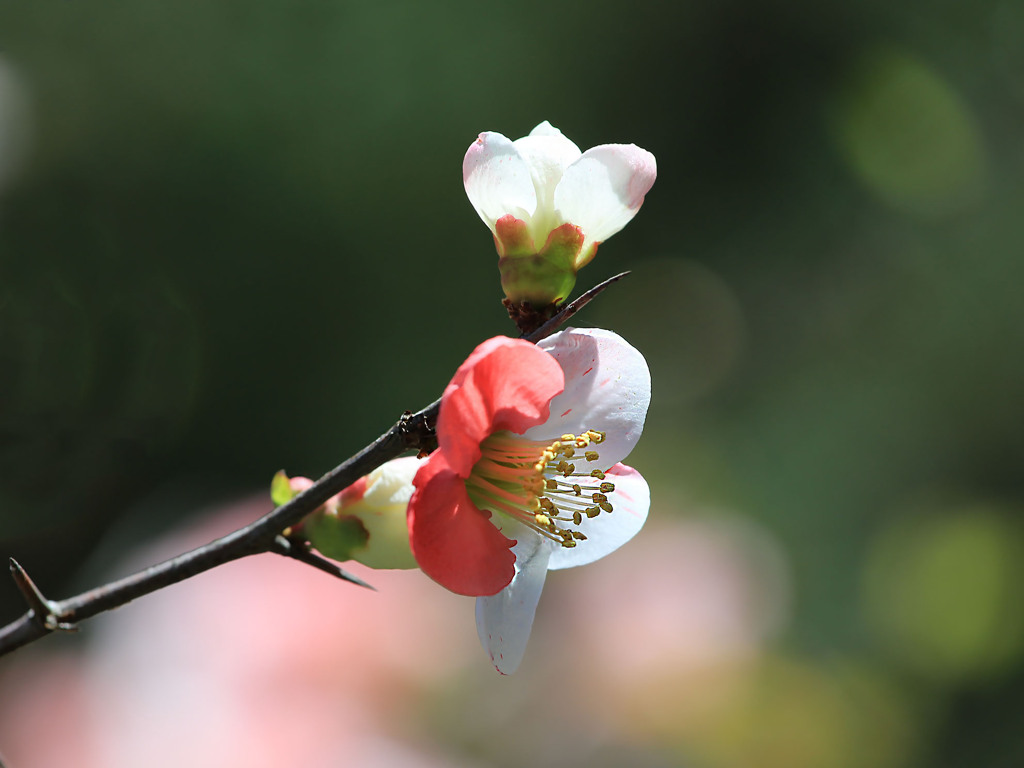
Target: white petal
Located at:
point(545, 129)
point(504, 620)
point(391, 483)
point(604, 188)
point(498, 180)
point(605, 533)
point(607, 388)
point(548, 153)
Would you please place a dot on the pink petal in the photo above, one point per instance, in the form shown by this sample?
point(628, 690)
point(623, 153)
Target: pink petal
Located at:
point(605, 533)
point(504, 384)
point(602, 191)
point(455, 543)
point(498, 180)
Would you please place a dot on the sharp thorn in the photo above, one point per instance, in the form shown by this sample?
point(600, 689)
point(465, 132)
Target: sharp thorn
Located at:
point(41, 607)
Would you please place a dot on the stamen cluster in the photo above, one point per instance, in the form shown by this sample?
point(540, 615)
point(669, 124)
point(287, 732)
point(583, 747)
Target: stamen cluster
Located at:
point(538, 483)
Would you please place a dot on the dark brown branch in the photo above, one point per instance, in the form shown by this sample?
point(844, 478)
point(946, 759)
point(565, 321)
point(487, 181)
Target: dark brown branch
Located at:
point(253, 539)
point(414, 431)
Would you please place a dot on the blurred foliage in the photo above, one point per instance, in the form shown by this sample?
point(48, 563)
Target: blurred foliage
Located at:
point(233, 238)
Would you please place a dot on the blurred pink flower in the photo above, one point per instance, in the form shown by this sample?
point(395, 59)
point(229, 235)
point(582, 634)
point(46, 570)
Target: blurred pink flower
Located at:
point(261, 662)
point(690, 595)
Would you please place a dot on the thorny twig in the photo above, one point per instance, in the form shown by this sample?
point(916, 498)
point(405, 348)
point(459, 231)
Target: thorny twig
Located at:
point(413, 431)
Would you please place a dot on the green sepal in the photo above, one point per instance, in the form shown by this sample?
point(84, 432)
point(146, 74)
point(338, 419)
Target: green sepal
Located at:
point(544, 278)
point(281, 489)
point(535, 280)
point(340, 538)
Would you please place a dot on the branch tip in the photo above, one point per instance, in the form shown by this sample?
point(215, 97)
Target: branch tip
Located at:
point(572, 308)
point(35, 599)
point(46, 612)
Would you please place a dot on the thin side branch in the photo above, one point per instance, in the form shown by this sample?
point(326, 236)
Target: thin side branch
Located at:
point(570, 309)
point(300, 550)
point(414, 431)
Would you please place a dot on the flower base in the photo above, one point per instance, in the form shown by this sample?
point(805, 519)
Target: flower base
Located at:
point(527, 317)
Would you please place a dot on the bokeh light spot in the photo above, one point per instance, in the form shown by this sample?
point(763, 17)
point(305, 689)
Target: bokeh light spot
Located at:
point(942, 592)
point(908, 135)
point(685, 319)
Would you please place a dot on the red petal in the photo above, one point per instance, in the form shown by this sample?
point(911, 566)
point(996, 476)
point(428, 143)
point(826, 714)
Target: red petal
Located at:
point(504, 384)
point(455, 543)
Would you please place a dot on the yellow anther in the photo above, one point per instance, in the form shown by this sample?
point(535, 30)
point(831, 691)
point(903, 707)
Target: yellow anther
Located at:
point(525, 481)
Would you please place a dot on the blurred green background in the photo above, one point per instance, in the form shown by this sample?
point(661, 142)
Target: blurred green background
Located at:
point(234, 239)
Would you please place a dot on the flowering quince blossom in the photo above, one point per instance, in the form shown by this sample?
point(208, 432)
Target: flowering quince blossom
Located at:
point(366, 522)
point(549, 205)
point(526, 477)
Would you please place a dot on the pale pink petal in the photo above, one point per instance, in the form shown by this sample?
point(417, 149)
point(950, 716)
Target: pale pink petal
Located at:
point(498, 180)
point(504, 620)
point(604, 189)
point(607, 388)
point(382, 510)
point(605, 533)
point(391, 483)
